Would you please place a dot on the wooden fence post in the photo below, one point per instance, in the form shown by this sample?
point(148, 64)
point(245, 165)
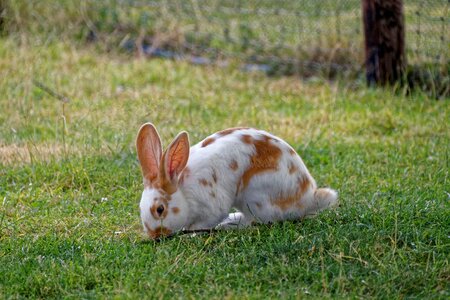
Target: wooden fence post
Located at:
point(2, 16)
point(384, 33)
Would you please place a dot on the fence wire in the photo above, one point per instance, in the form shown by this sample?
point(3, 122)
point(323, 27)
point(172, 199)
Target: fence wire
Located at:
point(303, 34)
point(275, 36)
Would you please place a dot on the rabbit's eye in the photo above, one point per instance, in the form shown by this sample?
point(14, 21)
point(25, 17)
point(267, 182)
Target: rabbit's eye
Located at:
point(160, 209)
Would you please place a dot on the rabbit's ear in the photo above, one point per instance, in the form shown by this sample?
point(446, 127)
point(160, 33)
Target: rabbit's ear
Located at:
point(148, 144)
point(176, 157)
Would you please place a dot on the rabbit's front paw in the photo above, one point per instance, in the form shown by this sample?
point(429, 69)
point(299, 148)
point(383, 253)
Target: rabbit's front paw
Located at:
point(235, 220)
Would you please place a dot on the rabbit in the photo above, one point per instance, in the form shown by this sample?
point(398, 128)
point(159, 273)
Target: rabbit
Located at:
point(250, 170)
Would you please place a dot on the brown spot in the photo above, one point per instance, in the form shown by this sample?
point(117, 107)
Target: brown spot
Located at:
point(292, 168)
point(246, 138)
point(175, 210)
point(214, 176)
point(212, 194)
point(204, 182)
point(230, 130)
point(265, 159)
point(258, 205)
point(304, 184)
point(234, 165)
point(284, 203)
point(208, 141)
point(159, 231)
point(165, 185)
point(292, 151)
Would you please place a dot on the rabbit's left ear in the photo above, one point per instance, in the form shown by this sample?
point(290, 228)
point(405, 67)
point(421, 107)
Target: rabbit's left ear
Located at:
point(176, 157)
point(149, 150)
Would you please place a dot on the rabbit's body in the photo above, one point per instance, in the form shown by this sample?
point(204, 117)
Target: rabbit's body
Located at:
point(247, 169)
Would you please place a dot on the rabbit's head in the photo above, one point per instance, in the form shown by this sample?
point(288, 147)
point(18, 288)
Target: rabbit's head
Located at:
point(163, 207)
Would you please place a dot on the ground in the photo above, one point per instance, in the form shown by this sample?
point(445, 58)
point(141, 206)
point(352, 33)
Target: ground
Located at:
point(70, 183)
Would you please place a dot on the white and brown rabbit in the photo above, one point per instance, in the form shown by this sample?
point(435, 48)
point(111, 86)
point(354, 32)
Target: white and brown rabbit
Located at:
point(250, 170)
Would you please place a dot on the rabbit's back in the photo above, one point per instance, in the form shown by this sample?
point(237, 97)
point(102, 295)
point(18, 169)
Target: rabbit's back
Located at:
point(252, 170)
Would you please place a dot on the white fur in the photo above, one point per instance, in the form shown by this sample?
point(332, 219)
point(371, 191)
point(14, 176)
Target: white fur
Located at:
point(207, 206)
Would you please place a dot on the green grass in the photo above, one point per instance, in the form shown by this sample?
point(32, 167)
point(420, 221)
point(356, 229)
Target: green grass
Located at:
point(69, 192)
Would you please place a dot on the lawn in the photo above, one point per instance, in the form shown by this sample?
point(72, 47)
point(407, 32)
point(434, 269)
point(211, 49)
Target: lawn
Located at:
point(70, 183)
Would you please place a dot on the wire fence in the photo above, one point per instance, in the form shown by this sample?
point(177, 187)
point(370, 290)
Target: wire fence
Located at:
point(278, 37)
point(275, 36)
point(286, 36)
point(428, 31)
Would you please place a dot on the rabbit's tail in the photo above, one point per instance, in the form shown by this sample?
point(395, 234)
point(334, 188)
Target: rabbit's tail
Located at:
point(325, 198)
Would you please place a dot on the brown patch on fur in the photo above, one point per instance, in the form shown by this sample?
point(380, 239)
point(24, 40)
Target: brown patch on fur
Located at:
point(292, 168)
point(208, 141)
point(304, 184)
point(159, 231)
point(162, 183)
point(265, 159)
point(212, 194)
point(214, 176)
point(230, 130)
point(204, 182)
point(284, 203)
point(258, 205)
point(292, 151)
point(234, 165)
point(246, 138)
point(175, 210)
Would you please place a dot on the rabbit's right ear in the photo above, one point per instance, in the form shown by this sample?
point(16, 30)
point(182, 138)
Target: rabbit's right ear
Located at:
point(176, 157)
point(149, 150)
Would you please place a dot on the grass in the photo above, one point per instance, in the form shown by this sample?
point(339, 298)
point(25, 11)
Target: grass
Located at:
point(70, 183)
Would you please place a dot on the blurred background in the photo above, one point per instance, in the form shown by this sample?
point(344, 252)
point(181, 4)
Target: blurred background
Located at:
point(307, 38)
